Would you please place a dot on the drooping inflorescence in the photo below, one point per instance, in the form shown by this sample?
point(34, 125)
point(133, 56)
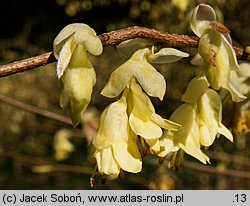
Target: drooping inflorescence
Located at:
point(130, 127)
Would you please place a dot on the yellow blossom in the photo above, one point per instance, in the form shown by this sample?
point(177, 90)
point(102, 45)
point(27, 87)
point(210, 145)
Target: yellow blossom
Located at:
point(216, 53)
point(200, 117)
point(63, 147)
point(114, 147)
point(187, 138)
point(139, 66)
point(75, 71)
point(143, 119)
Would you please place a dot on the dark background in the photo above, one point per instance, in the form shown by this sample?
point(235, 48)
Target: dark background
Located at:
point(28, 28)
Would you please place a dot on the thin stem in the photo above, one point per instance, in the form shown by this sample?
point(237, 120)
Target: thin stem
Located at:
point(223, 156)
point(212, 170)
point(53, 167)
point(116, 37)
point(35, 110)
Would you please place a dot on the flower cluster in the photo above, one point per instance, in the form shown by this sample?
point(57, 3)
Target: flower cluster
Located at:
point(130, 127)
point(200, 117)
point(201, 113)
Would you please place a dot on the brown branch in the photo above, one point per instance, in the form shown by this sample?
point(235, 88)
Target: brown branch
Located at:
point(86, 170)
point(27, 64)
point(213, 170)
point(116, 37)
point(223, 156)
point(42, 162)
point(35, 110)
point(55, 167)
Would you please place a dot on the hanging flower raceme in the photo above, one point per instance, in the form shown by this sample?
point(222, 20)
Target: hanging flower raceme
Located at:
point(75, 71)
point(200, 117)
point(216, 53)
point(114, 147)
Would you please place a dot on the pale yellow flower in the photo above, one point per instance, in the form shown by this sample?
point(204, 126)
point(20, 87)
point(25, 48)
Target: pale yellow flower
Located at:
point(200, 117)
point(143, 119)
point(114, 147)
point(62, 145)
point(139, 66)
point(216, 53)
point(187, 138)
point(74, 70)
point(75, 39)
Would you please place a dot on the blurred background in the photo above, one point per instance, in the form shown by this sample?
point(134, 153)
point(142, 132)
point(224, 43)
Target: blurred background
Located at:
point(31, 154)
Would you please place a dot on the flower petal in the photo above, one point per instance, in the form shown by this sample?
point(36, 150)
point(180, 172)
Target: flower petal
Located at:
point(197, 60)
point(228, 38)
point(192, 146)
point(225, 132)
point(113, 125)
point(234, 87)
point(82, 34)
point(195, 89)
point(127, 154)
point(165, 55)
point(62, 37)
point(94, 45)
point(141, 101)
point(209, 116)
point(143, 119)
point(164, 123)
point(168, 144)
point(65, 33)
point(65, 93)
point(81, 82)
point(206, 139)
point(62, 145)
point(79, 58)
point(183, 115)
point(154, 144)
point(235, 94)
point(143, 126)
point(188, 136)
point(86, 35)
point(218, 75)
point(151, 80)
point(144, 72)
point(202, 15)
point(106, 162)
point(231, 54)
point(119, 79)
